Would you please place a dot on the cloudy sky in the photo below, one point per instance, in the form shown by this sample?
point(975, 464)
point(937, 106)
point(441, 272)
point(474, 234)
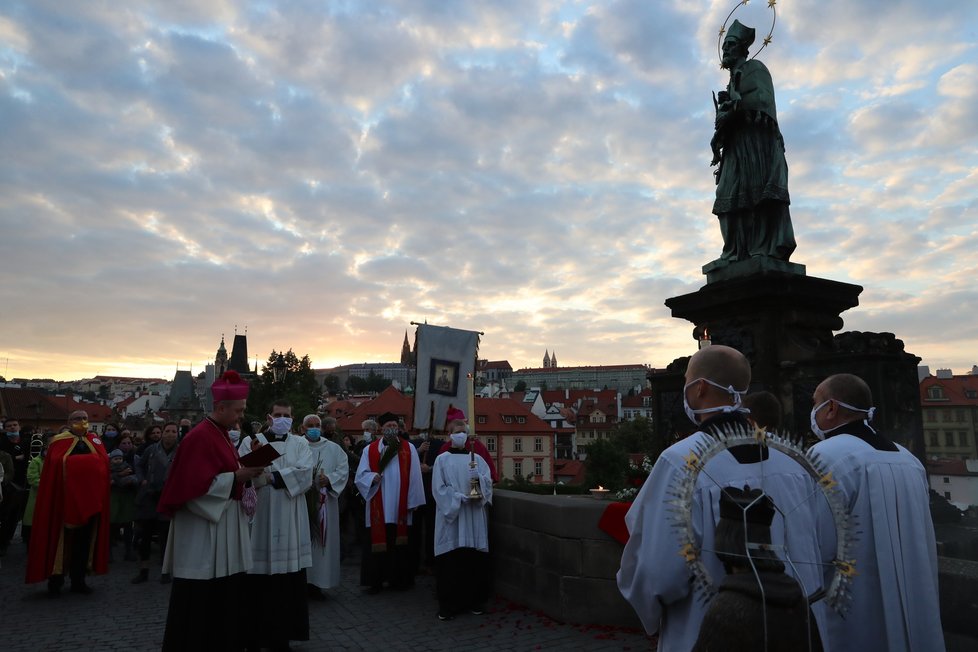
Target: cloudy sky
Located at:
point(326, 172)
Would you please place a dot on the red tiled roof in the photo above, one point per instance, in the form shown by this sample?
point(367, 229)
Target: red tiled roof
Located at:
point(389, 400)
point(495, 364)
point(574, 469)
point(496, 409)
point(955, 389)
point(96, 412)
point(22, 404)
point(636, 400)
point(604, 367)
point(949, 467)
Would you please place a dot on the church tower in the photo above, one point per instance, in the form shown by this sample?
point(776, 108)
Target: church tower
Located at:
point(546, 359)
point(221, 359)
point(553, 361)
point(407, 359)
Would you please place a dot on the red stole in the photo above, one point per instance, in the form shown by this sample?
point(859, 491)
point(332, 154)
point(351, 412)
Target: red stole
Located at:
point(73, 489)
point(205, 452)
point(378, 524)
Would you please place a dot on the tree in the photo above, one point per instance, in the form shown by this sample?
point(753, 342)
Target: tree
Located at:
point(331, 383)
point(638, 436)
point(299, 387)
point(520, 386)
point(606, 464)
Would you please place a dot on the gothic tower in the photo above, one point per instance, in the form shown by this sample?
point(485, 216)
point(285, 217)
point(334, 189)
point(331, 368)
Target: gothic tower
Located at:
point(546, 359)
point(221, 359)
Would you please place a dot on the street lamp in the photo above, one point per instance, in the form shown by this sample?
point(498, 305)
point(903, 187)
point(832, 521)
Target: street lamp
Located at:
point(279, 369)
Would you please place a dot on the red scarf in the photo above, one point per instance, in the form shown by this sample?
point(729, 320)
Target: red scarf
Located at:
point(378, 523)
point(205, 452)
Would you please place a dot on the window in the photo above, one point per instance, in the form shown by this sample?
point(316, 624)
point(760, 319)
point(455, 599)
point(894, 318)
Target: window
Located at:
point(959, 415)
point(591, 434)
point(491, 444)
point(933, 439)
point(520, 419)
point(962, 438)
point(517, 444)
point(480, 419)
point(538, 468)
point(538, 444)
point(931, 416)
point(947, 494)
point(945, 415)
point(949, 438)
point(947, 480)
point(507, 419)
point(971, 393)
point(935, 393)
point(518, 468)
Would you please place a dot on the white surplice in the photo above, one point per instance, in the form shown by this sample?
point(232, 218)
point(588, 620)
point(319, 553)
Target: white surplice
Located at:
point(330, 459)
point(208, 537)
point(391, 483)
point(895, 602)
point(280, 539)
point(654, 577)
point(459, 522)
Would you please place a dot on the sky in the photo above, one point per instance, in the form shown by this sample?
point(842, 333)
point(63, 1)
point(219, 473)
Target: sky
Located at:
point(324, 173)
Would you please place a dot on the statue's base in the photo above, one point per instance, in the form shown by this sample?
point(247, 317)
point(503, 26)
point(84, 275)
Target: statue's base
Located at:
point(723, 270)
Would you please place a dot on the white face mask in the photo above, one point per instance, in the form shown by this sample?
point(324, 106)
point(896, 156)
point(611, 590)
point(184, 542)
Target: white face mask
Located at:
point(368, 436)
point(694, 414)
point(235, 435)
point(458, 439)
point(818, 432)
point(281, 425)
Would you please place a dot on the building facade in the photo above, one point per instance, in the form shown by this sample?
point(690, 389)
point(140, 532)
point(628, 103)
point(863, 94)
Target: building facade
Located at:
point(949, 405)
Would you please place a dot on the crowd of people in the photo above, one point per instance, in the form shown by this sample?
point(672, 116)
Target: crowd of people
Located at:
point(269, 513)
point(272, 513)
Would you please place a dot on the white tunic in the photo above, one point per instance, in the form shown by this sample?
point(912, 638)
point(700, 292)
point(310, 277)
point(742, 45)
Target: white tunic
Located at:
point(459, 522)
point(895, 603)
point(654, 577)
point(391, 483)
point(330, 459)
point(208, 536)
point(280, 540)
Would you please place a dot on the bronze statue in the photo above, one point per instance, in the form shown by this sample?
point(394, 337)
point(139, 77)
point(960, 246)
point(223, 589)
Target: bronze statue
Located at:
point(752, 177)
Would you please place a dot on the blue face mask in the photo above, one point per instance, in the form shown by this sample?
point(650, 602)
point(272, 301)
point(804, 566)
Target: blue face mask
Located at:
point(110, 434)
point(314, 433)
point(13, 435)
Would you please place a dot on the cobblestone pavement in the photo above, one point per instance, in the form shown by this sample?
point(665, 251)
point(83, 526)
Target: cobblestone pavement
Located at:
point(120, 615)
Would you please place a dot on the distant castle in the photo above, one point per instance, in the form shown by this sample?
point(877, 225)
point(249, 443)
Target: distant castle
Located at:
point(549, 361)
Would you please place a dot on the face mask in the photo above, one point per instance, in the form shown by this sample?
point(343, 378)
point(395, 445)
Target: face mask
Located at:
point(314, 433)
point(281, 425)
point(13, 435)
point(458, 439)
point(235, 435)
point(818, 432)
point(110, 434)
point(694, 414)
point(368, 436)
point(390, 432)
point(80, 426)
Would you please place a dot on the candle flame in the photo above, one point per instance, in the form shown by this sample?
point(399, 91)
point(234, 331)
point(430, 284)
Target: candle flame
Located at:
point(600, 488)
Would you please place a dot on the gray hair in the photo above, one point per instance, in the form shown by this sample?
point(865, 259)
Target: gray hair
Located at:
point(369, 424)
point(306, 418)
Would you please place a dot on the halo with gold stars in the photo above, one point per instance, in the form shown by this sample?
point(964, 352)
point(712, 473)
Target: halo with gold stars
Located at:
point(681, 496)
point(772, 5)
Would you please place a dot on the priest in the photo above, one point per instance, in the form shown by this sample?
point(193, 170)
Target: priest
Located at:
point(653, 576)
point(895, 599)
point(208, 549)
point(330, 471)
point(280, 538)
point(389, 479)
point(70, 531)
point(461, 529)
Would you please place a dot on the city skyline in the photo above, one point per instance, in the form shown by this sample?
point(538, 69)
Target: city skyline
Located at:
point(539, 171)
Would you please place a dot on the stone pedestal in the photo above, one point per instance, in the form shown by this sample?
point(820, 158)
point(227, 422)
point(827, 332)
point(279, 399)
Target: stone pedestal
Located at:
point(784, 322)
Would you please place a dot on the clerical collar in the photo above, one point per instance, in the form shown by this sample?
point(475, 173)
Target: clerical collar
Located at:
point(461, 451)
point(865, 432)
point(745, 453)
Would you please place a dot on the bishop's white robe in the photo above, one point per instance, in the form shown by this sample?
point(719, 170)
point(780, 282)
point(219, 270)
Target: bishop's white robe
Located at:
point(330, 459)
point(895, 602)
point(391, 483)
point(280, 539)
point(460, 523)
point(654, 577)
point(208, 537)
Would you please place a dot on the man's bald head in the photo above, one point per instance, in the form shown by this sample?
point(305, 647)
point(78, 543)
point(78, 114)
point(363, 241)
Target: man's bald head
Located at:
point(846, 388)
point(723, 365)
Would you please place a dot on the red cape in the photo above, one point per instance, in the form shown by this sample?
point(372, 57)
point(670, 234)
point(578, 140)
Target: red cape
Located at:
point(480, 449)
point(204, 453)
point(61, 494)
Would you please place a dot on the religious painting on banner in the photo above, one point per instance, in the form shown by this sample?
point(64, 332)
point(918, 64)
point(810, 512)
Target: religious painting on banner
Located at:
point(446, 356)
point(444, 377)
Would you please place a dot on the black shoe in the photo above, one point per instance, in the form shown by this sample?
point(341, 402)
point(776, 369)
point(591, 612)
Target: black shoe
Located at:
point(55, 582)
point(478, 611)
point(142, 577)
point(82, 588)
point(442, 616)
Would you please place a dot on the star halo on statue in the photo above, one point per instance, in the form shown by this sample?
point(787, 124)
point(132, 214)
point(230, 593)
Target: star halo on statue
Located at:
point(771, 4)
point(837, 593)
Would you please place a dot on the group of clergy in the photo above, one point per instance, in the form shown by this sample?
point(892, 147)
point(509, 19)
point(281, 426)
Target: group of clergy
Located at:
point(741, 598)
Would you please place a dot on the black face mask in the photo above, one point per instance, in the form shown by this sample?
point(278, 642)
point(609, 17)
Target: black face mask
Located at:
point(184, 430)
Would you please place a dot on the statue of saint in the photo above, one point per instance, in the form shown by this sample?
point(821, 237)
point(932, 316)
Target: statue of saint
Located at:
point(752, 177)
